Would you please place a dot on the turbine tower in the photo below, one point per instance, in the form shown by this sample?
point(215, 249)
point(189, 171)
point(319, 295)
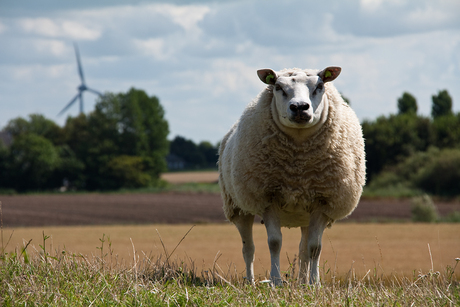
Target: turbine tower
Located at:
point(80, 88)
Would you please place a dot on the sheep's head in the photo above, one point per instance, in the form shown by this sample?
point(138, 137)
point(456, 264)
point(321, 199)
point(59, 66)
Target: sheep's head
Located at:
point(299, 94)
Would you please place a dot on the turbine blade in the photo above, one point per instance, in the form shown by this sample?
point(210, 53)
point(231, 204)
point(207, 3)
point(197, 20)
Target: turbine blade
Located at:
point(94, 91)
point(69, 104)
point(80, 68)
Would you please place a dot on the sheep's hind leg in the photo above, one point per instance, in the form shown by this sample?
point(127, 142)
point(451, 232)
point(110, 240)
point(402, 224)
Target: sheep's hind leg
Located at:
point(318, 222)
point(244, 225)
point(273, 227)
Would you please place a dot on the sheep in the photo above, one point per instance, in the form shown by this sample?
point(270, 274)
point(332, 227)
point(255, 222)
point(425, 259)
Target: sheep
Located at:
point(296, 159)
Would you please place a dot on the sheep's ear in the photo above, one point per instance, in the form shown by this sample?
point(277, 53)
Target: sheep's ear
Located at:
point(267, 76)
point(330, 73)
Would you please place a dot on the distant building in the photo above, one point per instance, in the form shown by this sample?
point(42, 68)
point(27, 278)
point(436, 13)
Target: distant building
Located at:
point(6, 138)
point(175, 162)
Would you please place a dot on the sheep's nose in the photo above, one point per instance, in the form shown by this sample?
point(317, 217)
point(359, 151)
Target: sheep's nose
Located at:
point(299, 107)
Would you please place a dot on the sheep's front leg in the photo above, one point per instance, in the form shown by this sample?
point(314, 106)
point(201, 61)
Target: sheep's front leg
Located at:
point(273, 227)
point(244, 225)
point(310, 247)
point(304, 261)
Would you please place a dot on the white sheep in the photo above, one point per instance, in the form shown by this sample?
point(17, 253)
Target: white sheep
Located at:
point(295, 158)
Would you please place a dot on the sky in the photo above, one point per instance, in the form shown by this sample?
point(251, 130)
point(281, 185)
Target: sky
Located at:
point(200, 57)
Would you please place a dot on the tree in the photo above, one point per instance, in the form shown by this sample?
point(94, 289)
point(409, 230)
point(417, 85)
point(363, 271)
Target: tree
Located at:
point(447, 131)
point(407, 104)
point(126, 126)
point(38, 125)
point(32, 161)
point(187, 150)
point(129, 171)
point(442, 104)
point(390, 139)
point(209, 152)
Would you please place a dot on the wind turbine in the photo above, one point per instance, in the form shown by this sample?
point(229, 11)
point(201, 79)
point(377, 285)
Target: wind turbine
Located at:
point(82, 86)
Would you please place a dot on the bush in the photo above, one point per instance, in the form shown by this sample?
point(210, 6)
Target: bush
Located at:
point(441, 175)
point(424, 210)
point(434, 171)
point(453, 217)
point(129, 172)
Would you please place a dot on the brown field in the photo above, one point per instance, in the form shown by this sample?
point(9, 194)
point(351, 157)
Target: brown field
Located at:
point(185, 177)
point(388, 248)
point(161, 208)
point(77, 222)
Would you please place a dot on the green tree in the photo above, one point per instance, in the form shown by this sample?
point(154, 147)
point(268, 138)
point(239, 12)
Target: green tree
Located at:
point(5, 181)
point(129, 171)
point(441, 174)
point(32, 161)
point(407, 104)
point(390, 139)
point(209, 152)
point(447, 131)
point(187, 150)
point(37, 124)
point(123, 125)
point(442, 104)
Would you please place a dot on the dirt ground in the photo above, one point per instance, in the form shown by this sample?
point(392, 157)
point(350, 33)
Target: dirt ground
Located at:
point(162, 208)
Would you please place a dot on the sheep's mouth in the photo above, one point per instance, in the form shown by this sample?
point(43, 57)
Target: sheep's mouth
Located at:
point(300, 118)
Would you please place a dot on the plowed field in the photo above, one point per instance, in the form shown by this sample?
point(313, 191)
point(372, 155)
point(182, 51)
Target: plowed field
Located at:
point(164, 208)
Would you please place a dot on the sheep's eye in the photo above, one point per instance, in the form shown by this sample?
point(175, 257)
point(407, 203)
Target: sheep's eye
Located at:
point(318, 88)
point(278, 88)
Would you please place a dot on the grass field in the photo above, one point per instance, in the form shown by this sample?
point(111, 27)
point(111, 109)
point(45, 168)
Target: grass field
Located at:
point(361, 264)
point(400, 249)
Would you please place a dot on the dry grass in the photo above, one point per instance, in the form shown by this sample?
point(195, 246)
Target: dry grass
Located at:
point(54, 276)
point(389, 249)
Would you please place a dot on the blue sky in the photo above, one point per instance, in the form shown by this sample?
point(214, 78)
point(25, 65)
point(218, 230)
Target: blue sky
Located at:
point(200, 57)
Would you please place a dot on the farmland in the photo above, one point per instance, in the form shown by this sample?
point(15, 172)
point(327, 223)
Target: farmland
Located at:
point(401, 249)
point(76, 222)
point(175, 248)
point(126, 230)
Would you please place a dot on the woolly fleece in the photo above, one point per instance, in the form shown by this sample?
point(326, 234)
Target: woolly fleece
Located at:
point(262, 166)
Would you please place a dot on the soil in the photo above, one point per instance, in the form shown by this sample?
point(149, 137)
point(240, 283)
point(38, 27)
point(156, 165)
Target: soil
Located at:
point(162, 208)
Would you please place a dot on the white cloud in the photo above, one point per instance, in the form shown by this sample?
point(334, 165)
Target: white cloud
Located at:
point(201, 59)
point(58, 28)
point(2, 28)
point(186, 16)
point(55, 47)
point(374, 5)
point(152, 47)
point(434, 15)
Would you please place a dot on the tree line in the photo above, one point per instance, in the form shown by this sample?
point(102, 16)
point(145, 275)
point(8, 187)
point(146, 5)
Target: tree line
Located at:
point(413, 151)
point(123, 144)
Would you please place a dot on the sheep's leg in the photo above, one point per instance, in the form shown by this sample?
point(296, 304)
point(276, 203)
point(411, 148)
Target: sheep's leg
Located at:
point(318, 222)
point(244, 225)
point(303, 256)
point(273, 227)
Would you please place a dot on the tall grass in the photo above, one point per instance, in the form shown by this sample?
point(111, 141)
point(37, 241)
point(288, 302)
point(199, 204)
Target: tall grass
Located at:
point(58, 278)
